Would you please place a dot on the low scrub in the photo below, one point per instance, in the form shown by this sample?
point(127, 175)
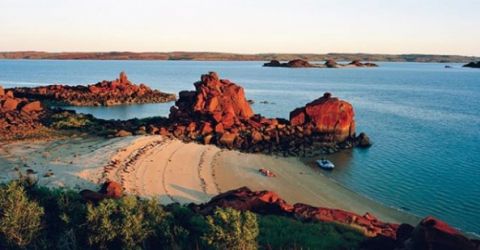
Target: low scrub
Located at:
point(40, 218)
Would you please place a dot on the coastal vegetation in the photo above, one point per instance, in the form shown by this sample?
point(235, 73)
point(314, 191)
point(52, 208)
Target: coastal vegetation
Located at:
point(40, 218)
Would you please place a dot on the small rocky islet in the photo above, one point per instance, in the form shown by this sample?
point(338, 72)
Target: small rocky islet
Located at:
point(300, 63)
point(472, 65)
point(104, 93)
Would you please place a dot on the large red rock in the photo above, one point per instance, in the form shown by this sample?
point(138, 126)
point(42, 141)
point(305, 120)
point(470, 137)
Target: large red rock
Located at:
point(219, 96)
point(327, 115)
point(10, 104)
point(32, 107)
point(2, 91)
point(432, 233)
point(429, 234)
point(112, 189)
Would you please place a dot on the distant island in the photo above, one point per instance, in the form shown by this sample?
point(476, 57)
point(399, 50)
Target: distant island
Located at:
point(299, 63)
point(472, 65)
point(217, 56)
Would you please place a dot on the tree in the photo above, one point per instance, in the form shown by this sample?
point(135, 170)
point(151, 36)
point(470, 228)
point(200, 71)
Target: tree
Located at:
point(20, 218)
point(232, 229)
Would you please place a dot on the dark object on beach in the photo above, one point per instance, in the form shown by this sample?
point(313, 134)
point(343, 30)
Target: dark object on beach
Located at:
point(473, 65)
point(105, 93)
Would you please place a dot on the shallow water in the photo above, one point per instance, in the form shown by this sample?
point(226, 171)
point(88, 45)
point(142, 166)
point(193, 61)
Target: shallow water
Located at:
point(423, 118)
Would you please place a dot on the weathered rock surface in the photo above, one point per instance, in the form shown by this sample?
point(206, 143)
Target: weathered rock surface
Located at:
point(267, 202)
point(217, 112)
point(105, 93)
point(326, 115)
point(108, 190)
point(473, 65)
point(19, 117)
point(429, 234)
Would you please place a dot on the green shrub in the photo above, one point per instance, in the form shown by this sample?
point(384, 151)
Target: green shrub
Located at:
point(278, 232)
point(20, 218)
point(232, 229)
point(63, 219)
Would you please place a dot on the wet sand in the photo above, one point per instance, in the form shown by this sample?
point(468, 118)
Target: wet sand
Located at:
point(173, 171)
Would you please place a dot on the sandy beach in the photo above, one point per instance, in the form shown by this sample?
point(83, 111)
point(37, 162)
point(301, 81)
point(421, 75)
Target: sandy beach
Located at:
point(173, 171)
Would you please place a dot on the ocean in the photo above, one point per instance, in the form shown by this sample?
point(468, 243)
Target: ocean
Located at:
point(423, 118)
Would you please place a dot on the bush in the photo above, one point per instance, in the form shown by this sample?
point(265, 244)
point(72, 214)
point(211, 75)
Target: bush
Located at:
point(232, 229)
point(20, 218)
point(278, 232)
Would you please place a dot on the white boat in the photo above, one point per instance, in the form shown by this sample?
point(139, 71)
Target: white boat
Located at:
point(325, 164)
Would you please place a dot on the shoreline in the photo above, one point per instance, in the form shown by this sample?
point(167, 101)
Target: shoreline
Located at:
point(174, 171)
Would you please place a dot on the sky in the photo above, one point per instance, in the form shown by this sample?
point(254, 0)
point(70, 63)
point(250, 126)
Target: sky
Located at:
point(243, 26)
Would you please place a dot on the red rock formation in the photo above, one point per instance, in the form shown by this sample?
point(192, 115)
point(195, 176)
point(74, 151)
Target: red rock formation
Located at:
point(107, 93)
point(109, 189)
point(267, 202)
point(429, 234)
point(112, 189)
point(214, 99)
point(326, 115)
point(18, 116)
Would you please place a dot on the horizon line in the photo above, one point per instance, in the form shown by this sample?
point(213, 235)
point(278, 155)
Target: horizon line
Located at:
point(238, 53)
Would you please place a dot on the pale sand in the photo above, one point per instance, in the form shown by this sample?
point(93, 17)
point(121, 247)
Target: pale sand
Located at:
point(173, 171)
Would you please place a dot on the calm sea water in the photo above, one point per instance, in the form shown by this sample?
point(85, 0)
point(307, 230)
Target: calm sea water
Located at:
point(424, 120)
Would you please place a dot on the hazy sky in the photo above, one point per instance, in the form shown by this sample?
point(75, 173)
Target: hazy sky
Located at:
point(245, 26)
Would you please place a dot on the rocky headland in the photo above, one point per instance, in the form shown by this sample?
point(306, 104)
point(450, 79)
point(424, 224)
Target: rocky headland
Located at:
point(430, 233)
point(300, 63)
point(104, 93)
point(472, 65)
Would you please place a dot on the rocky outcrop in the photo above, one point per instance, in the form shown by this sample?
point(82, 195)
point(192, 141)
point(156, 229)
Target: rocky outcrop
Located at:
point(472, 65)
point(19, 117)
point(267, 202)
point(299, 63)
point(105, 93)
point(326, 115)
point(108, 190)
point(429, 234)
point(358, 63)
point(217, 112)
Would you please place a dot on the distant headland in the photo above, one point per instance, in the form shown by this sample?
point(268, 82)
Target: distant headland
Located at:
point(217, 56)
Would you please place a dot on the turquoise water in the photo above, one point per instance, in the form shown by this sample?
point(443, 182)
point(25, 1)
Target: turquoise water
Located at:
point(424, 120)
